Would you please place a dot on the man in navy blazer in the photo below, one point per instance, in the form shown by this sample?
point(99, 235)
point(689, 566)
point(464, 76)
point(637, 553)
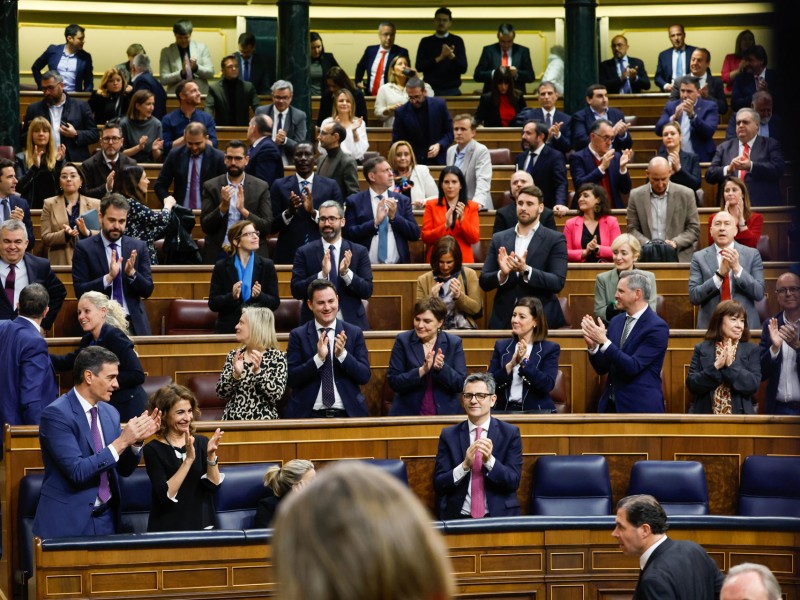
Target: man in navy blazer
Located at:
point(328, 361)
point(780, 350)
point(711, 88)
point(547, 166)
point(623, 74)
point(559, 134)
point(295, 213)
point(12, 203)
point(633, 364)
point(253, 67)
point(597, 108)
point(755, 77)
point(517, 57)
point(762, 167)
point(599, 163)
point(142, 79)
point(376, 212)
point(80, 493)
point(288, 123)
point(425, 123)
point(506, 217)
point(265, 159)
point(121, 274)
point(478, 447)
point(333, 258)
point(678, 57)
point(370, 61)
point(700, 116)
point(78, 72)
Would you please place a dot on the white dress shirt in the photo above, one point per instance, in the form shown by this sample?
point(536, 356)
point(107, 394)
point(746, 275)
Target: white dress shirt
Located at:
point(459, 472)
point(392, 255)
point(337, 399)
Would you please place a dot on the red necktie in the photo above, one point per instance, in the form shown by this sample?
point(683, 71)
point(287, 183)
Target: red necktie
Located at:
point(746, 154)
point(605, 182)
point(477, 502)
point(376, 83)
point(725, 290)
point(505, 58)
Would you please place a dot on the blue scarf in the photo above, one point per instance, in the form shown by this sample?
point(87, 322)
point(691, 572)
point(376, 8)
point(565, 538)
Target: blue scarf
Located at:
point(245, 275)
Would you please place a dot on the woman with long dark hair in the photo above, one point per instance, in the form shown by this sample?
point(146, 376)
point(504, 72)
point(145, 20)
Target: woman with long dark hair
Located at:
point(319, 64)
point(498, 107)
point(141, 130)
point(143, 223)
point(589, 235)
point(452, 214)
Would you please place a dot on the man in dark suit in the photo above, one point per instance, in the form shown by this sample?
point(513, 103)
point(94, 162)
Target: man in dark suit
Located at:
point(599, 163)
point(295, 203)
point(14, 278)
point(755, 77)
point(101, 172)
point(265, 157)
point(337, 164)
point(288, 123)
point(75, 62)
point(328, 361)
point(505, 53)
point(425, 123)
point(230, 198)
point(546, 165)
point(780, 349)
point(694, 114)
point(597, 108)
point(479, 461)
point(230, 99)
point(670, 569)
point(673, 63)
point(631, 352)
point(344, 264)
point(142, 79)
point(506, 217)
point(26, 374)
point(559, 127)
point(770, 125)
point(12, 205)
point(189, 167)
point(758, 159)
point(372, 69)
point(623, 74)
point(81, 492)
point(115, 265)
point(711, 88)
point(379, 219)
point(253, 67)
point(529, 260)
point(74, 127)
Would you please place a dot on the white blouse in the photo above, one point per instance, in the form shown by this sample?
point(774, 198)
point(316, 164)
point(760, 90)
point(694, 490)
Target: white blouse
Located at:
point(390, 94)
point(349, 145)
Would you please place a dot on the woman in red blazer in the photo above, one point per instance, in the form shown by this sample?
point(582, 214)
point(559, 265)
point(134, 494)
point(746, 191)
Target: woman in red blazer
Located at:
point(589, 235)
point(452, 214)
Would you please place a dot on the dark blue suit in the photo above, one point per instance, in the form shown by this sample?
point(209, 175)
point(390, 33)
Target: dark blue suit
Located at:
point(261, 73)
point(538, 374)
point(703, 126)
point(146, 81)
point(564, 142)
point(549, 174)
point(302, 228)
point(306, 268)
point(440, 130)
point(364, 65)
point(39, 271)
point(266, 161)
point(403, 375)
point(583, 120)
point(763, 179)
point(76, 112)
point(50, 58)
point(744, 86)
point(634, 372)
point(348, 375)
point(72, 467)
point(609, 76)
point(18, 201)
point(90, 265)
point(771, 368)
point(500, 484)
point(175, 172)
point(584, 170)
point(664, 68)
point(689, 175)
point(360, 223)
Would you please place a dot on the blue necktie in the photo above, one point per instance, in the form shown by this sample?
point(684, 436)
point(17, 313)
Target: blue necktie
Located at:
point(116, 285)
point(383, 237)
point(679, 65)
point(626, 88)
point(246, 73)
point(333, 276)
point(6, 209)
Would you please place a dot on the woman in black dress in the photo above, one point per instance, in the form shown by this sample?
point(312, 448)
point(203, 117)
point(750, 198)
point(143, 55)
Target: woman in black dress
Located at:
point(37, 166)
point(109, 101)
point(279, 482)
point(183, 468)
point(144, 223)
point(498, 107)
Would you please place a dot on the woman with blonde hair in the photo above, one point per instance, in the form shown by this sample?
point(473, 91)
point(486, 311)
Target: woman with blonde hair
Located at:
point(356, 142)
point(280, 481)
point(411, 179)
point(62, 221)
point(335, 79)
point(254, 376)
point(109, 101)
point(392, 94)
point(625, 251)
point(104, 324)
point(37, 167)
point(141, 130)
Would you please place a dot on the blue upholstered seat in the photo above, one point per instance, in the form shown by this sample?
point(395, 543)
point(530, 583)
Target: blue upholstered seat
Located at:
point(770, 486)
point(679, 485)
point(571, 485)
point(136, 498)
point(237, 497)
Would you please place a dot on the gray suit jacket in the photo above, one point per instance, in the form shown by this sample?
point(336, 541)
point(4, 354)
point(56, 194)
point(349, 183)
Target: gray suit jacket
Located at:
point(295, 127)
point(748, 288)
point(342, 168)
point(683, 221)
point(170, 66)
point(477, 169)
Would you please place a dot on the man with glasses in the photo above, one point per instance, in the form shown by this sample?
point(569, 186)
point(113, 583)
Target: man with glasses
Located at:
point(601, 164)
point(102, 171)
point(288, 123)
point(425, 123)
point(780, 350)
point(346, 265)
point(337, 164)
point(230, 198)
point(479, 461)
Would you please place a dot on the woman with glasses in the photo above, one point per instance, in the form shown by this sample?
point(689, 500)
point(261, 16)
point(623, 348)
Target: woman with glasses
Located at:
point(243, 279)
point(427, 366)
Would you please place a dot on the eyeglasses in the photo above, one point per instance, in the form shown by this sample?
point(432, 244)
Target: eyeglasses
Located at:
point(111, 140)
point(480, 396)
point(605, 138)
point(329, 219)
point(788, 290)
point(283, 98)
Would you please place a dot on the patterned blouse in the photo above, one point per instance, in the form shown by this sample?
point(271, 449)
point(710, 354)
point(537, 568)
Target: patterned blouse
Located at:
point(147, 225)
point(253, 397)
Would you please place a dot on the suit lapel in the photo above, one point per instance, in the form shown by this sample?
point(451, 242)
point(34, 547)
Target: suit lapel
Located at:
point(80, 418)
point(463, 437)
point(711, 258)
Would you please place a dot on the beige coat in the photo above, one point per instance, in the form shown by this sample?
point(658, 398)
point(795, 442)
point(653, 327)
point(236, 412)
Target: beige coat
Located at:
point(60, 246)
point(469, 303)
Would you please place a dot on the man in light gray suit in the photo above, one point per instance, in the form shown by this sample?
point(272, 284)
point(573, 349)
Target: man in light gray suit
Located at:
point(185, 60)
point(288, 122)
point(726, 270)
point(663, 210)
point(473, 159)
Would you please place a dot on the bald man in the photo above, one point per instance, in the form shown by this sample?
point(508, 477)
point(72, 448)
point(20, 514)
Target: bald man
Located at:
point(506, 217)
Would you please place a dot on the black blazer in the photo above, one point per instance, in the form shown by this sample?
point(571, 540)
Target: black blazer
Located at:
point(488, 114)
point(563, 143)
point(265, 509)
point(220, 295)
point(744, 377)
point(96, 171)
point(689, 175)
point(538, 374)
point(175, 172)
point(261, 72)
point(610, 78)
point(76, 112)
point(492, 57)
point(39, 271)
point(679, 569)
point(550, 174)
point(506, 218)
point(146, 81)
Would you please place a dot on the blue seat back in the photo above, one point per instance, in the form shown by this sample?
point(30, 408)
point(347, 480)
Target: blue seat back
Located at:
point(678, 485)
point(394, 467)
point(30, 487)
point(571, 486)
point(237, 497)
point(770, 486)
point(136, 497)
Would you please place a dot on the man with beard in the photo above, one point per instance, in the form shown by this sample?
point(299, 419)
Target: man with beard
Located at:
point(295, 203)
point(623, 74)
point(529, 260)
point(12, 205)
point(506, 217)
point(230, 198)
point(230, 99)
point(346, 265)
point(174, 123)
point(336, 164)
point(780, 349)
point(546, 165)
point(102, 170)
point(115, 265)
point(72, 119)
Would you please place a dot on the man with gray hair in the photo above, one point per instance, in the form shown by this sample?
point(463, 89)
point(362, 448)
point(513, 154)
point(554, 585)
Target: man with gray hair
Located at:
point(142, 79)
point(750, 581)
point(185, 60)
point(288, 123)
point(374, 63)
point(631, 352)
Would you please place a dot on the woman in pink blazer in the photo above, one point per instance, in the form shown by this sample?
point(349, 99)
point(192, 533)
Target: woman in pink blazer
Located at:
point(589, 235)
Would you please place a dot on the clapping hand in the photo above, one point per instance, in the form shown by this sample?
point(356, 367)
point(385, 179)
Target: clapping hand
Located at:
point(626, 156)
point(594, 333)
point(255, 357)
point(344, 265)
point(455, 288)
point(213, 443)
point(130, 264)
point(339, 343)
point(255, 292)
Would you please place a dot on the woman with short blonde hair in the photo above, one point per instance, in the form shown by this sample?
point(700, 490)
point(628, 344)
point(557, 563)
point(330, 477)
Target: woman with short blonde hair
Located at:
point(280, 481)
